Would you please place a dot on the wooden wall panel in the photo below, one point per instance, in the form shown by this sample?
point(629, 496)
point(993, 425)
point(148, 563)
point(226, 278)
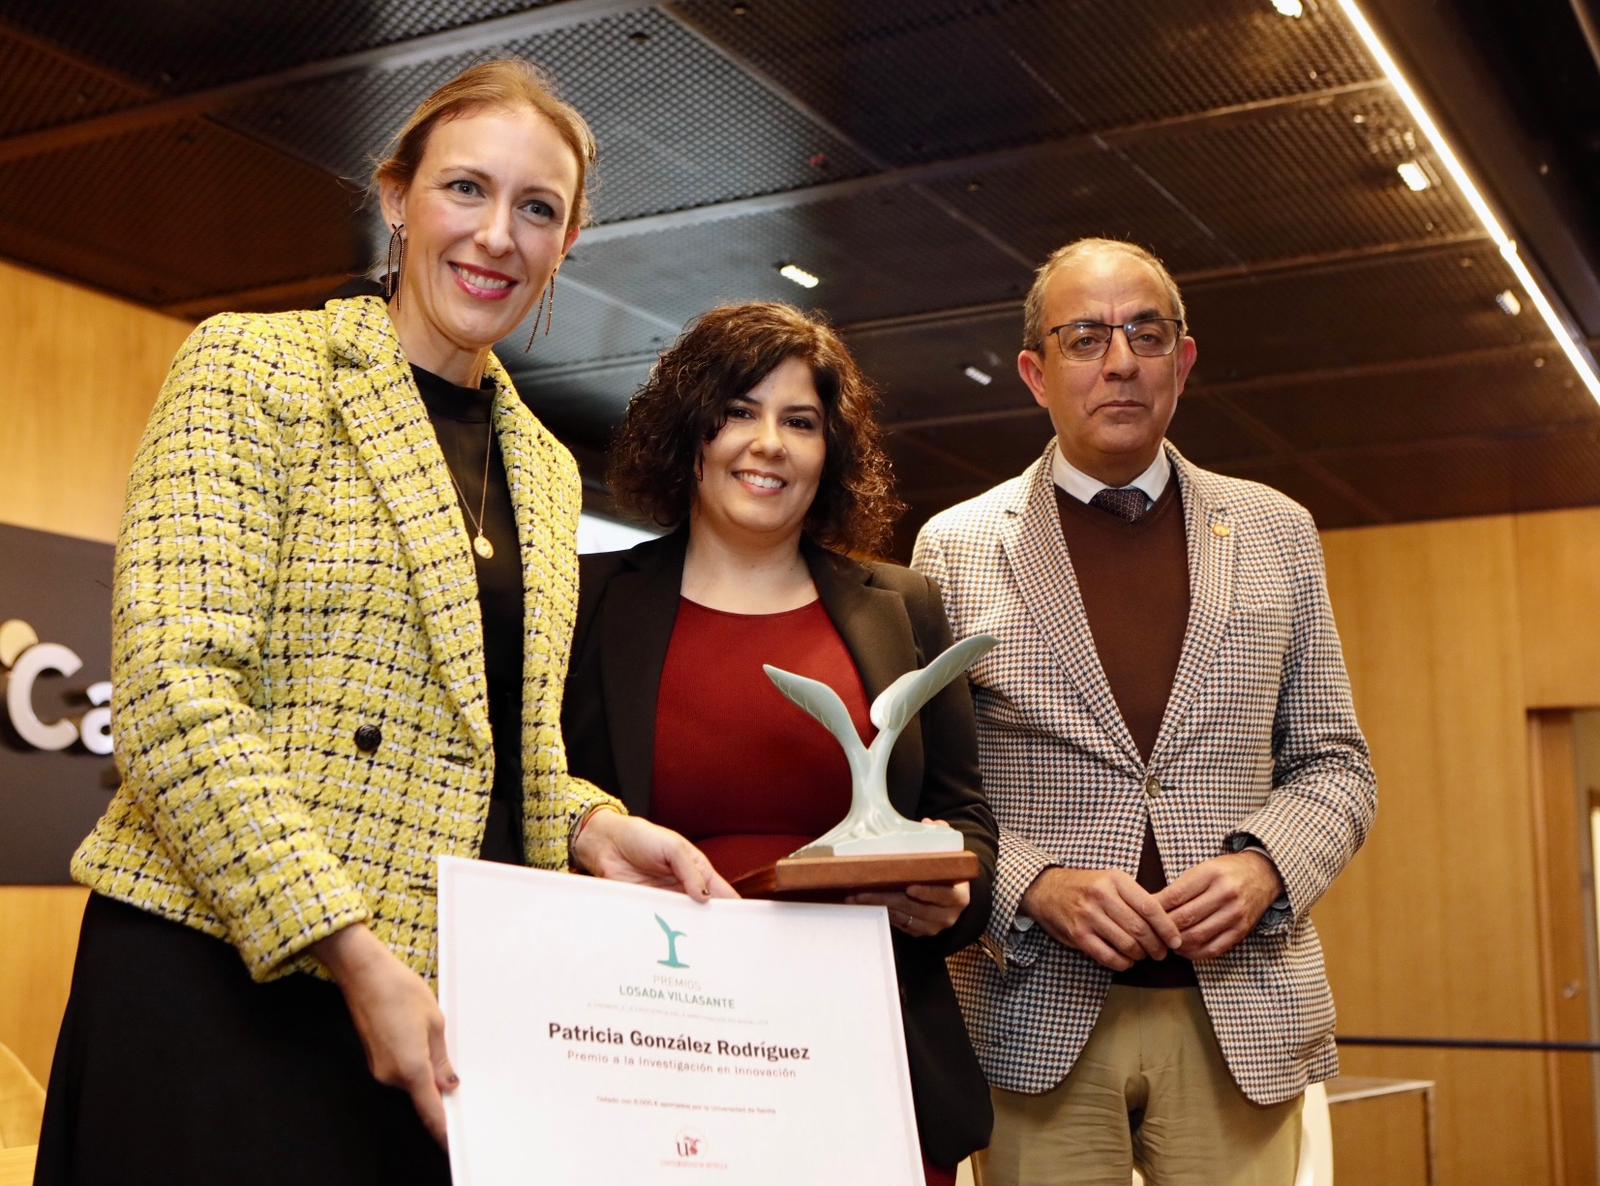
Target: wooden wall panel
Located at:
point(40, 925)
point(1561, 833)
point(82, 371)
point(1435, 667)
point(1429, 616)
point(1558, 577)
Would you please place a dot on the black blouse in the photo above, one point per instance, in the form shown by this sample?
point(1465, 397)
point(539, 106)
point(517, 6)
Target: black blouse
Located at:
point(463, 421)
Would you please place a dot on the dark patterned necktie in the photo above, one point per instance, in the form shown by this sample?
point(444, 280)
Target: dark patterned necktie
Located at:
point(1125, 502)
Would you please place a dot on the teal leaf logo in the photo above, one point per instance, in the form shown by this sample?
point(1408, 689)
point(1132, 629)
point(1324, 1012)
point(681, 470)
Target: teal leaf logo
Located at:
point(672, 960)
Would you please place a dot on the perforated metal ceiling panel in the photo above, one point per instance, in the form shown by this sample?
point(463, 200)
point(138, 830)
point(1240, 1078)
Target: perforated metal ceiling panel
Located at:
point(912, 82)
point(1038, 200)
point(928, 80)
point(1303, 180)
point(920, 369)
point(678, 126)
point(39, 89)
point(341, 124)
point(887, 255)
point(177, 46)
point(1164, 61)
point(1375, 311)
point(1489, 395)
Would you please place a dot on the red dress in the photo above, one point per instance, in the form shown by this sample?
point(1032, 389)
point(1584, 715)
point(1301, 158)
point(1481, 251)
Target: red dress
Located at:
point(739, 770)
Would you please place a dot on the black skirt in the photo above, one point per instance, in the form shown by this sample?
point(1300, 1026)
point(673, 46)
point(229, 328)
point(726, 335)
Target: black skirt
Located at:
point(173, 1068)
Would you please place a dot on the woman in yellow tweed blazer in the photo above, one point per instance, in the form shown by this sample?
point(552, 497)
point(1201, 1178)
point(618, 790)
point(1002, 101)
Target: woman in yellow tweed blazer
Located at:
point(302, 712)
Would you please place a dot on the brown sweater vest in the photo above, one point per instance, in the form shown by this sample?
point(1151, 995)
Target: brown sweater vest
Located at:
point(1134, 580)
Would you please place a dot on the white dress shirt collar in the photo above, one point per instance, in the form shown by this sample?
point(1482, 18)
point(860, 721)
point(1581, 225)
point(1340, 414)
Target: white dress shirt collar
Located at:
point(1082, 487)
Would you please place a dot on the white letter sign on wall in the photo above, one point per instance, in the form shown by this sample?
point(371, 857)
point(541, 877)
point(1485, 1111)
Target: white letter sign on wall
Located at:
point(27, 659)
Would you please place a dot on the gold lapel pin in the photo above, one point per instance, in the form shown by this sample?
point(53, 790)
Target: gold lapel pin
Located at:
point(1221, 530)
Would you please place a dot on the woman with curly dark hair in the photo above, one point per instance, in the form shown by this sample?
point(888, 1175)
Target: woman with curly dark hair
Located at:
point(754, 439)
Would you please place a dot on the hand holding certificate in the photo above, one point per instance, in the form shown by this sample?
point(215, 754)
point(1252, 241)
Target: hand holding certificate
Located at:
point(614, 1033)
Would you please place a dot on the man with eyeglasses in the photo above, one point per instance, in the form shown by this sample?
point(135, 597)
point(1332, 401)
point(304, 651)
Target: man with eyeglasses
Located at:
point(1169, 745)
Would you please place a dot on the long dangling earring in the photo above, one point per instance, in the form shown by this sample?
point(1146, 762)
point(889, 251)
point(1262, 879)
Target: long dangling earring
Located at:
point(394, 264)
point(546, 310)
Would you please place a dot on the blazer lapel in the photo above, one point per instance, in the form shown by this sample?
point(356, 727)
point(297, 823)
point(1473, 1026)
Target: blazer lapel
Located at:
point(375, 394)
point(877, 632)
point(635, 631)
point(1039, 562)
point(1212, 553)
point(535, 508)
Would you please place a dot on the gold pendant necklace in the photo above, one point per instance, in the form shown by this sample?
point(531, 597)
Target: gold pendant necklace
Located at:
point(480, 541)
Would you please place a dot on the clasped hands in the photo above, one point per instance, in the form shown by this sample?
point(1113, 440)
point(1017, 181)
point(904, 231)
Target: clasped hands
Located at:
point(1105, 914)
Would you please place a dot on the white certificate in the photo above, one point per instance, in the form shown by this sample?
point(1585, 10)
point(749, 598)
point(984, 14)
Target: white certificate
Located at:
point(611, 1034)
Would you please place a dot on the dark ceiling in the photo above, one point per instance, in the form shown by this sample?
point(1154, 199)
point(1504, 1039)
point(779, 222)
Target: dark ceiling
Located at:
point(921, 156)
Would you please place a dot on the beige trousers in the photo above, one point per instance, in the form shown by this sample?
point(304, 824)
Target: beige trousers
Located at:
point(1150, 1089)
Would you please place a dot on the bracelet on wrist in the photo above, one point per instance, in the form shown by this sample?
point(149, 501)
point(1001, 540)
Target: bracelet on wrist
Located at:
point(578, 825)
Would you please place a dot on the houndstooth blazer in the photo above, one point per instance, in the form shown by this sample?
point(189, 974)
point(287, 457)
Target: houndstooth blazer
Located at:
point(299, 701)
point(1259, 737)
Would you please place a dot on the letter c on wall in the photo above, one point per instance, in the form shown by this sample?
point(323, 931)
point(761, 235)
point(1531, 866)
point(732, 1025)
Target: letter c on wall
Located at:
point(42, 657)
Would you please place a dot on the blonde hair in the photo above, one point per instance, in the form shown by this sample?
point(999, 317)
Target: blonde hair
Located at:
point(1033, 306)
point(508, 82)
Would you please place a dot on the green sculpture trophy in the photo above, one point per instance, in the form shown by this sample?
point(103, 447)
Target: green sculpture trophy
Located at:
point(874, 846)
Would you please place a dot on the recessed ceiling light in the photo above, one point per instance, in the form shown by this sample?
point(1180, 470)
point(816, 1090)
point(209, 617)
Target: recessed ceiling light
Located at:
point(982, 378)
point(1580, 359)
point(1292, 8)
point(1507, 300)
point(1413, 175)
point(799, 275)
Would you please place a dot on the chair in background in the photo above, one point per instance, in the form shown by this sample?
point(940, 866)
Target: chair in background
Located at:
point(1316, 1139)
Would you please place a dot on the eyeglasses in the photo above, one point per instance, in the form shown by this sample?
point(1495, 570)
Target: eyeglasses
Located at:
point(1090, 341)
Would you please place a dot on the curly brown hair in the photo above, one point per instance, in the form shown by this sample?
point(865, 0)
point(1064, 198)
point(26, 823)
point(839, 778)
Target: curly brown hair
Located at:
point(684, 403)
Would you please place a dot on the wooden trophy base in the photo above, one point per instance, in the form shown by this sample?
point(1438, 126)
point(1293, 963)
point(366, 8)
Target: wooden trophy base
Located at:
point(831, 879)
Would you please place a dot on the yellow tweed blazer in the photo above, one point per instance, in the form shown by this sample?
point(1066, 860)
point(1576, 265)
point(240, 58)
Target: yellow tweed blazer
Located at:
point(292, 566)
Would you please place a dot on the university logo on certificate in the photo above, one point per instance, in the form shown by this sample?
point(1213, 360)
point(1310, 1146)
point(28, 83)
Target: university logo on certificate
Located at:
point(609, 1034)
